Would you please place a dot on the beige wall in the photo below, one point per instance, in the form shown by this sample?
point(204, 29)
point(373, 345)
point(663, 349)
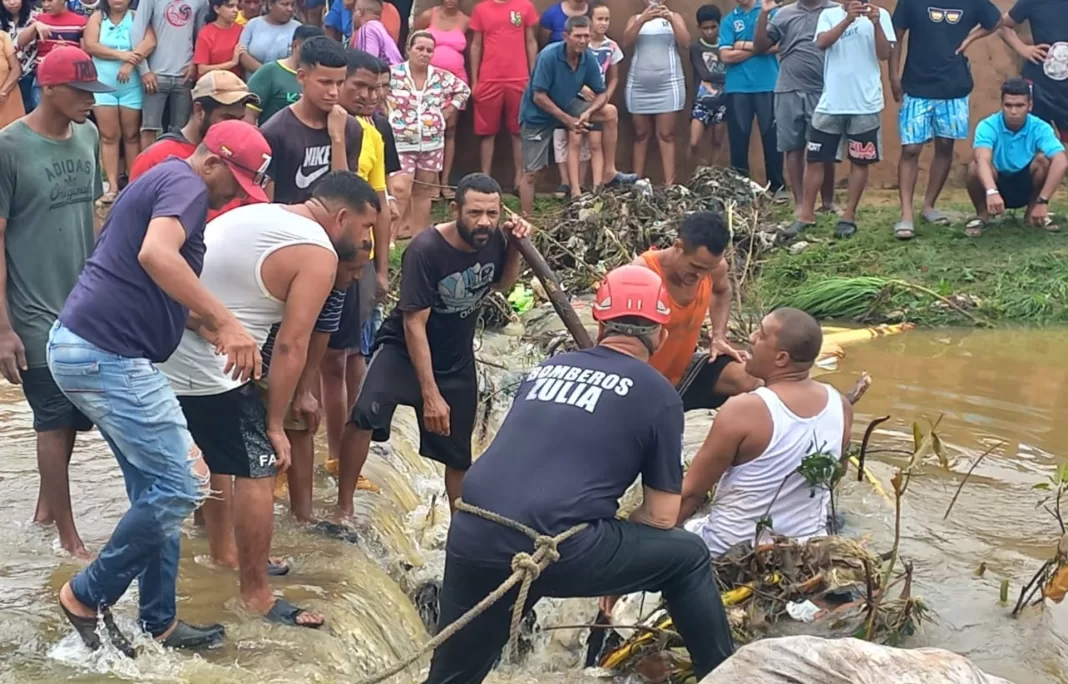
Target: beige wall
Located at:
point(992, 62)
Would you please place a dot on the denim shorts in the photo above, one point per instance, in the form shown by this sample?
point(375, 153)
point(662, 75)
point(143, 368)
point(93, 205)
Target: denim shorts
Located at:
point(172, 95)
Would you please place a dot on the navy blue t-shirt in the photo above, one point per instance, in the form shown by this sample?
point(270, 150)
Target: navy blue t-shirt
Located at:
point(115, 304)
point(583, 426)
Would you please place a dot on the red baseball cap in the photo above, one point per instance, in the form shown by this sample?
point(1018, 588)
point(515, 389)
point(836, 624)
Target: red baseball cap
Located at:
point(245, 151)
point(70, 66)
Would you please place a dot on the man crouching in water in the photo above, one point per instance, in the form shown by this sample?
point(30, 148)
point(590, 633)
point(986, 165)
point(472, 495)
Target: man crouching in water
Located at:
point(759, 439)
point(584, 425)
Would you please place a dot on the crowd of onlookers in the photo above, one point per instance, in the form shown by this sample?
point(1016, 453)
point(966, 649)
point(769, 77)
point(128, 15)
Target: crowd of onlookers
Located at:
point(808, 74)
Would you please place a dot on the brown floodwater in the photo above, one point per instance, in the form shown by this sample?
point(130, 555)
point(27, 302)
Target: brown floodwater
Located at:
point(988, 386)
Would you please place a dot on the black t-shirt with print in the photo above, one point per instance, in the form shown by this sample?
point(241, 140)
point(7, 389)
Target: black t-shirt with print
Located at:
point(583, 426)
point(936, 28)
point(300, 154)
point(1049, 25)
point(451, 283)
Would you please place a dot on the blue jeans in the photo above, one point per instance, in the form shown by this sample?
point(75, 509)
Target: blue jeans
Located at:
point(135, 409)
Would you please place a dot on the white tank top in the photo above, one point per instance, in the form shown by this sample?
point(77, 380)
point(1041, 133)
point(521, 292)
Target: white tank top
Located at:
point(745, 491)
point(237, 243)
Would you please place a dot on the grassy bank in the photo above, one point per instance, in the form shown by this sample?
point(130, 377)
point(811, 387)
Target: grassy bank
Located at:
point(1013, 274)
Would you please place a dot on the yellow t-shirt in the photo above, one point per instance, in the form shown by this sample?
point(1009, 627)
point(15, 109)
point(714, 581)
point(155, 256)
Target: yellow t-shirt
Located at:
point(241, 20)
point(372, 162)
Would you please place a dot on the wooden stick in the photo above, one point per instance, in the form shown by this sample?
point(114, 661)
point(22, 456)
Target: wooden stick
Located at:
point(557, 296)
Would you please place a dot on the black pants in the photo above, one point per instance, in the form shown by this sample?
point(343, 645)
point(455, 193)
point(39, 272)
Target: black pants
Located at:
point(741, 109)
point(625, 558)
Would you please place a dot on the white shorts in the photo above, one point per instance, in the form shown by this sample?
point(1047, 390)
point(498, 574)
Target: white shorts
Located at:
point(560, 146)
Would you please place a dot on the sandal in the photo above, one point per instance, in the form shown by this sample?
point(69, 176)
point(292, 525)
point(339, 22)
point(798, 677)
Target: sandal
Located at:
point(280, 569)
point(974, 228)
point(562, 192)
point(285, 613)
point(1050, 226)
point(845, 229)
point(903, 230)
point(796, 228)
point(337, 531)
point(86, 629)
point(833, 209)
point(936, 218)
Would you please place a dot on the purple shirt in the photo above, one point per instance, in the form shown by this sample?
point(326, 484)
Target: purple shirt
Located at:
point(374, 39)
point(115, 304)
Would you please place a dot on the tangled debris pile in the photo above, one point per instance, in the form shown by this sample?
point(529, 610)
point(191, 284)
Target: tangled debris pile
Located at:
point(604, 230)
point(827, 585)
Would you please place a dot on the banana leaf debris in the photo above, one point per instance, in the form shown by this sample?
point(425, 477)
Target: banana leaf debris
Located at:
point(832, 581)
point(600, 231)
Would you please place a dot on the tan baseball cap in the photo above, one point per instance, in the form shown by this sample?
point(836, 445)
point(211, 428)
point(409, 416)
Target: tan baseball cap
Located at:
point(225, 87)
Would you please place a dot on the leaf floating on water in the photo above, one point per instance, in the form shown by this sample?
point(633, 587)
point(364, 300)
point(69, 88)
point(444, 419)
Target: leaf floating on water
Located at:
point(981, 570)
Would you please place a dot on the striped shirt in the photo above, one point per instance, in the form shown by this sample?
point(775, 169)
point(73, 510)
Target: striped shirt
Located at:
point(67, 29)
point(328, 322)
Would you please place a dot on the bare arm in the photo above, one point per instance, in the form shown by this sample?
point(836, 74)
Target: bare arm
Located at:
point(1035, 54)
point(761, 42)
point(678, 27)
point(1058, 164)
point(513, 264)
point(658, 509)
point(381, 234)
point(977, 33)
point(543, 100)
point(249, 63)
point(419, 351)
point(828, 38)
point(26, 35)
point(422, 22)
point(139, 32)
point(476, 58)
point(882, 45)
point(984, 161)
point(735, 55)
point(532, 48)
point(14, 72)
point(717, 453)
point(612, 82)
point(895, 62)
point(12, 352)
point(847, 430)
point(544, 35)
point(630, 33)
point(92, 44)
point(719, 309)
point(147, 45)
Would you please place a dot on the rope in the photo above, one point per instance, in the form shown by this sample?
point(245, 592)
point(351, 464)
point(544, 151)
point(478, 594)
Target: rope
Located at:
point(526, 567)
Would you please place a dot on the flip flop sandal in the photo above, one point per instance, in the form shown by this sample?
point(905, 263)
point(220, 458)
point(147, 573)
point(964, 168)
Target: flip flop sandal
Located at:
point(622, 179)
point(1050, 226)
point(974, 228)
point(903, 230)
point(86, 629)
point(340, 532)
point(833, 209)
point(796, 228)
point(562, 191)
point(936, 217)
point(845, 229)
point(277, 569)
point(285, 613)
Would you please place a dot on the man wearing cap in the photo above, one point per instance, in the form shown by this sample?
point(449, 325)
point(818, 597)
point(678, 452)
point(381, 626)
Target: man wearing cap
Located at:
point(217, 96)
point(49, 179)
point(583, 427)
point(273, 265)
point(125, 314)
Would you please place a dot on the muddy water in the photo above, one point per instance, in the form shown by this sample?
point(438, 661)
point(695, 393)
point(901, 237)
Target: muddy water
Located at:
point(988, 386)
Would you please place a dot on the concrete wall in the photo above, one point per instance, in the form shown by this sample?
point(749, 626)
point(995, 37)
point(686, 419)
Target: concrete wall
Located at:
point(991, 60)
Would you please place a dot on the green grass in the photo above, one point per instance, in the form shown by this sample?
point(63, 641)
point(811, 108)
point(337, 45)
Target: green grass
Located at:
point(1014, 273)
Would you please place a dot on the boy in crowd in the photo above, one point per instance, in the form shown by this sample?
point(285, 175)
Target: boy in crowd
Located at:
point(750, 88)
point(275, 83)
point(854, 37)
point(709, 101)
point(933, 92)
point(250, 9)
point(1018, 162)
point(573, 148)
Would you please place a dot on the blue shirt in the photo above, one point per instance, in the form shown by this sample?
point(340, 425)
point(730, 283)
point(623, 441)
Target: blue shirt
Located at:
point(553, 21)
point(115, 304)
point(757, 74)
point(553, 75)
point(1015, 150)
point(339, 18)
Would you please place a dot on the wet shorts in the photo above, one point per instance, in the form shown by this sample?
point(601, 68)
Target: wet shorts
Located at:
point(701, 393)
point(1016, 188)
point(390, 382)
point(51, 408)
point(231, 431)
point(863, 138)
point(431, 161)
point(921, 120)
point(496, 102)
point(709, 111)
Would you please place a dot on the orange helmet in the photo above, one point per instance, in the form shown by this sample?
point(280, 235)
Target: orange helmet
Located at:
point(632, 291)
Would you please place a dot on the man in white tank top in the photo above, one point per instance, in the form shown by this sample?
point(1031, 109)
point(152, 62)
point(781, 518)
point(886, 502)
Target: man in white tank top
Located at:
point(269, 264)
point(759, 439)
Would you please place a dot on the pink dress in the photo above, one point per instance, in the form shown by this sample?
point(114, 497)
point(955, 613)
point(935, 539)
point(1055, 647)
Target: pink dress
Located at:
point(449, 49)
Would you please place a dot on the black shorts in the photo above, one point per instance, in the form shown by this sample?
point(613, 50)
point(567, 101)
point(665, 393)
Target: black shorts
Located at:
point(863, 141)
point(1016, 188)
point(701, 393)
point(51, 408)
point(390, 382)
point(348, 333)
point(231, 431)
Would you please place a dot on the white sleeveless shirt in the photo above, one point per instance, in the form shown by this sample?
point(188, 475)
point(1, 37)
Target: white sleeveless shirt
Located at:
point(745, 491)
point(237, 244)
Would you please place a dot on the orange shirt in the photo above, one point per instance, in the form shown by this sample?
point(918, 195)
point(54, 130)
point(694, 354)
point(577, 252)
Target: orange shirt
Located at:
point(684, 328)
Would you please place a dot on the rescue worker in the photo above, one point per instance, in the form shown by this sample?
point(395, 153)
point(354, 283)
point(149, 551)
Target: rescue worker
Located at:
point(583, 427)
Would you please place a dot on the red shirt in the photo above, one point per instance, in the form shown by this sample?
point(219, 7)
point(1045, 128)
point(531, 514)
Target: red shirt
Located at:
point(168, 147)
point(67, 29)
point(216, 46)
point(503, 26)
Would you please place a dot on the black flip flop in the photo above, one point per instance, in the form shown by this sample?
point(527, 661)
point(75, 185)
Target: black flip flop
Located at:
point(86, 629)
point(339, 532)
point(277, 569)
point(284, 612)
point(796, 228)
point(845, 228)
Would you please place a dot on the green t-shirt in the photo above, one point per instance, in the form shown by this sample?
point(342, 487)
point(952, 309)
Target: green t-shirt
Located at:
point(47, 191)
point(277, 87)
